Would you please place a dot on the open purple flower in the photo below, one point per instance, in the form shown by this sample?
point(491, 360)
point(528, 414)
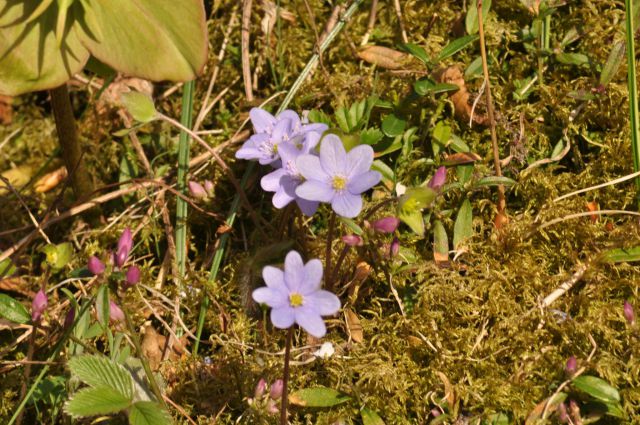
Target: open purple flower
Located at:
point(286, 179)
point(336, 176)
point(294, 295)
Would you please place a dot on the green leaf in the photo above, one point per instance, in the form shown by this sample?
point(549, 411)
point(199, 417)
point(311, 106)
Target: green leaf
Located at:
point(572, 58)
point(496, 419)
point(12, 310)
point(388, 176)
point(464, 173)
point(59, 255)
point(456, 45)
point(369, 417)
point(371, 136)
point(153, 39)
point(342, 120)
point(99, 371)
point(474, 69)
point(102, 305)
point(30, 57)
point(440, 241)
point(458, 145)
point(414, 220)
point(418, 52)
point(318, 397)
point(621, 255)
point(495, 181)
point(611, 66)
point(317, 116)
point(471, 21)
point(351, 224)
point(463, 227)
point(393, 126)
point(426, 85)
point(442, 133)
point(96, 401)
point(7, 268)
point(597, 388)
point(417, 198)
point(148, 413)
point(140, 106)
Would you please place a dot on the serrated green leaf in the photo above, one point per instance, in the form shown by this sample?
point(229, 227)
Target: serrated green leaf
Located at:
point(456, 45)
point(318, 397)
point(621, 255)
point(148, 413)
point(615, 59)
point(317, 116)
point(95, 401)
point(495, 181)
point(597, 388)
point(369, 417)
point(418, 52)
point(98, 371)
point(393, 125)
point(140, 106)
point(471, 21)
point(463, 227)
point(12, 310)
point(342, 120)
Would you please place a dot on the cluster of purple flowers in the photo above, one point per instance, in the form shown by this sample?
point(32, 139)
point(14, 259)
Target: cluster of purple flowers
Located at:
point(301, 173)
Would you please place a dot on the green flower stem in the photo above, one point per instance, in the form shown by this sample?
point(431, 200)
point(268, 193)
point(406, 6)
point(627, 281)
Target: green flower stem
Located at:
point(633, 94)
point(233, 211)
point(285, 378)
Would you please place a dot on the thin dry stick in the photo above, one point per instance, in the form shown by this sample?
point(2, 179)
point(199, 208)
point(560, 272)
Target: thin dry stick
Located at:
point(502, 204)
point(583, 214)
point(8, 184)
point(403, 32)
point(216, 69)
point(210, 106)
point(565, 287)
point(600, 186)
point(372, 22)
point(246, 64)
point(137, 146)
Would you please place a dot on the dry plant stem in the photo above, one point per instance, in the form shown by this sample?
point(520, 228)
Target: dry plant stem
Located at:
point(285, 378)
point(68, 138)
point(582, 214)
point(179, 409)
point(372, 22)
point(403, 32)
point(135, 142)
point(600, 186)
point(565, 287)
point(328, 250)
point(336, 269)
point(492, 122)
point(246, 64)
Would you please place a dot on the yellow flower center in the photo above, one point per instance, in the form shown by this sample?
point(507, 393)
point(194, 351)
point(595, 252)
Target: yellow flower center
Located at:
point(295, 299)
point(339, 183)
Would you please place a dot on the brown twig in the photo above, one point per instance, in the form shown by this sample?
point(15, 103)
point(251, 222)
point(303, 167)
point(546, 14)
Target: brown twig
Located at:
point(372, 22)
point(403, 32)
point(246, 63)
point(502, 204)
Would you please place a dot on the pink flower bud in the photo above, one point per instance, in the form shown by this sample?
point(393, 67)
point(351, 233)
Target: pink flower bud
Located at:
point(563, 416)
point(571, 366)
point(395, 247)
point(69, 318)
point(196, 190)
point(125, 243)
point(272, 407)
point(38, 306)
point(261, 387)
point(132, 276)
point(115, 313)
point(386, 225)
point(95, 266)
point(435, 412)
point(276, 389)
point(208, 186)
point(352, 240)
point(628, 313)
point(438, 179)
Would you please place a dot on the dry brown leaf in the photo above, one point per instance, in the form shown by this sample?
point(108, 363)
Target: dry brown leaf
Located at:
point(17, 285)
point(6, 110)
point(500, 220)
point(441, 259)
point(354, 328)
point(153, 345)
point(460, 98)
point(449, 392)
point(51, 180)
point(382, 56)
point(536, 414)
point(593, 206)
point(461, 158)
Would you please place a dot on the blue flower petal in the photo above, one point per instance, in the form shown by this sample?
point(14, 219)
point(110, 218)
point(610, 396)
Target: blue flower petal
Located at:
point(274, 278)
point(347, 205)
point(363, 182)
point(274, 298)
point(359, 160)
point(309, 320)
point(271, 182)
point(313, 190)
point(325, 302)
point(262, 121)
point(283, 317)
point(282, 198)
point(308, 208)
point(310, 168)
point(333, 157)
point(293, 271)
point(312, 277)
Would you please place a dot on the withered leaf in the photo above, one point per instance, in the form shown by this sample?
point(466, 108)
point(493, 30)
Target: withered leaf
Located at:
point(461, 158)
point(51, 180)
point(354, 327)
point(383, 56)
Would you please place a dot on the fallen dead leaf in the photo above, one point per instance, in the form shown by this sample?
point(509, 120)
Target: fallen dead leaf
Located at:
point(383, 56)
point(354, 328)
point(153, 345)
point(51, 180)
point(460, 98)
point(461, 158)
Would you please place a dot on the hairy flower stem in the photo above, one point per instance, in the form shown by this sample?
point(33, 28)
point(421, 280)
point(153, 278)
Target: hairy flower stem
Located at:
point(492, 122)
point(327, 255)
point(145, 363)
point(68, 139)
point(285, 378)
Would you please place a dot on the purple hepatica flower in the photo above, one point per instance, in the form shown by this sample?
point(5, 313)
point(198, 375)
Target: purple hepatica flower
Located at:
point(294, 295)
point(286, 179)
point(125, 243)
point(337, 177)
point(38, 306)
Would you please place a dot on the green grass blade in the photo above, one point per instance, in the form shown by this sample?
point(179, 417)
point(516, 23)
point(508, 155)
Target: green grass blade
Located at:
point(633, 93)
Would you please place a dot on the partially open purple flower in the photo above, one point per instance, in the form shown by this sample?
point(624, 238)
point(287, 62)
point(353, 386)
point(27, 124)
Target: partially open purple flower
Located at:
point(197, 190)
point(286, 179)
point(276, 389)
point(337, 177)
point(208, 187)
point(386, 224)
point(125, 243)
point(270, 132)
point(352, 240)
point(261, 387)
point(394, 249)
point(438, 179)
point(38, 306)
point(571, 366)
point(115, 313)
point(133, 275)
point(628, 313)
point(95, 266)
point(294, 295)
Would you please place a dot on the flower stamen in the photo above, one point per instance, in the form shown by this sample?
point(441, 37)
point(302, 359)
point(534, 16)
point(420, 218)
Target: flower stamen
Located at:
point(339, 183)
point(295, 299)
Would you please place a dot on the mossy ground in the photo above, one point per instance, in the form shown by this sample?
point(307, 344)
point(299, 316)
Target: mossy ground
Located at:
point(476, 322)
